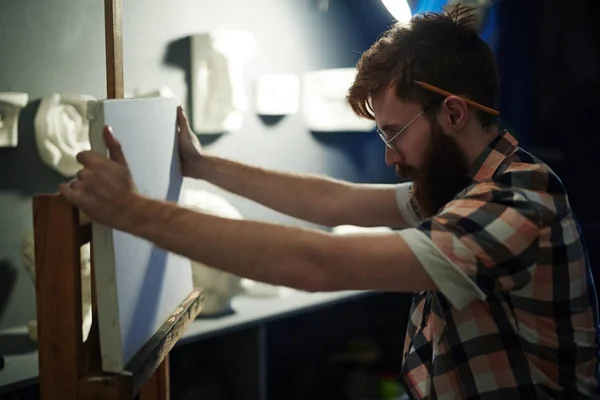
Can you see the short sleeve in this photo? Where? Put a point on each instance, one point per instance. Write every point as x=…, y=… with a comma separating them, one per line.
x=484, y=241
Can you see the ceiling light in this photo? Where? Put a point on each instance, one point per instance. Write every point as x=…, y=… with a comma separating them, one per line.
x=399, y=9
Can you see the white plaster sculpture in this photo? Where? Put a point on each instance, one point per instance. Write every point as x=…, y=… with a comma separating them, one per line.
x=324, y=104
x=217, y=66
x=218, y=287
x=262, y=289
x=11, y=104
x=277, y=94
x=28, y=252
x=163, y=91
x=62, y=131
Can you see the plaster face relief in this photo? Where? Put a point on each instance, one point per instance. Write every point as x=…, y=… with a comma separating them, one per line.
x=324, y=104
x=217, y=68
x=11, y=104
x=62, y=131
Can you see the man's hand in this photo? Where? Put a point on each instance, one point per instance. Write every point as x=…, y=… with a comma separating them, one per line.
x=103, y=189
x=190, y=150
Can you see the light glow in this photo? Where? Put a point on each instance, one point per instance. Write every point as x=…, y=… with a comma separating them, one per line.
x=399, y=9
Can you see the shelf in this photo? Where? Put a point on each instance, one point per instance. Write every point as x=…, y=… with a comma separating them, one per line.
x=22, y=370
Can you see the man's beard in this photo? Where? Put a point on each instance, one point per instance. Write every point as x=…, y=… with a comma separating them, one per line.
x=443, y=175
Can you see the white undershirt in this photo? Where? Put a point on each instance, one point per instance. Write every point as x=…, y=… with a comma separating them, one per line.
x=450, y=279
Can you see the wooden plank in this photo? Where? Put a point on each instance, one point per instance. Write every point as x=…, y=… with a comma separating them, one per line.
x=113, y=10
x=58, y=296
x=148, y=359
x=158, y=386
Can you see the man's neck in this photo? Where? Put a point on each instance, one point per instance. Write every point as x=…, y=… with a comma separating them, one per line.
x=478, y=141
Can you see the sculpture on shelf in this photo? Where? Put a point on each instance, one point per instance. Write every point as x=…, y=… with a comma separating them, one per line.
x=163, y=91
x=217, y=92
x=277, y=94
x=28, y=252
x=62, y=131
x=262, y=289
x=324, y=104
x=11, y=104
x=219, y=287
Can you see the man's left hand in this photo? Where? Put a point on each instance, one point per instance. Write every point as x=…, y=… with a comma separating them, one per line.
x=103, y=189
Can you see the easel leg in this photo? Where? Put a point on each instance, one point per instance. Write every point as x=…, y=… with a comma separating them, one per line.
x=58, y=297
x=157, y=387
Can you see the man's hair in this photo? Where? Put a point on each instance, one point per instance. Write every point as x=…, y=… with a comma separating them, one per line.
x=442, y=49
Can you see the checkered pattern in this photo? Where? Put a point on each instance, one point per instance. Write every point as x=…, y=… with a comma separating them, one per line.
x=534, y=336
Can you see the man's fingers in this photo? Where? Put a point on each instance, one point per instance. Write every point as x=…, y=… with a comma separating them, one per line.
x=114, y=147
x=67, y=192
x=82, y=174
x=182, y=120
x=86, y=157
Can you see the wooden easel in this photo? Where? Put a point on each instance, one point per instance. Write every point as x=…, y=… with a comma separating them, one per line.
x=70, y=369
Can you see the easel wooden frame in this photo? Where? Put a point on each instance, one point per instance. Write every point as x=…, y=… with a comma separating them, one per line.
x=70, y=369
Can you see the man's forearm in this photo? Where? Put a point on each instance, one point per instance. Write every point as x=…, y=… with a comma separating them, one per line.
x=300, y=258
x=309, y=197
x=265, y=252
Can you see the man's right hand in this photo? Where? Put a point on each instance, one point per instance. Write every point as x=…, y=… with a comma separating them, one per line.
x=190, y=150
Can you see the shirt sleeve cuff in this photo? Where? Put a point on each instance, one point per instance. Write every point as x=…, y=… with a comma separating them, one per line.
x=403, y=201
x=450, y=280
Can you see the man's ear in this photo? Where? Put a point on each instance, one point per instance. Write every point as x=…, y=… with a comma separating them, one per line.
x=455, y=113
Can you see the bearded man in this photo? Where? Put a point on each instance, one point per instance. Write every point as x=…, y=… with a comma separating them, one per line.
x=504, y=304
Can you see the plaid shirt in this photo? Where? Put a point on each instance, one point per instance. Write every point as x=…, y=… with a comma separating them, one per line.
x=516, y=311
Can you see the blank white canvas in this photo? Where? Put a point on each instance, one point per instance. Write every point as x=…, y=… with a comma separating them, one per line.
x=138, y=285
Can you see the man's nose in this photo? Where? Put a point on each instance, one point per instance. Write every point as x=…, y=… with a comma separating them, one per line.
x=392, y=157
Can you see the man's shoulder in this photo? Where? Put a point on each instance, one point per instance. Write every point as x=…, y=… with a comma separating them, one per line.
x=522, y=170
x=524, y=181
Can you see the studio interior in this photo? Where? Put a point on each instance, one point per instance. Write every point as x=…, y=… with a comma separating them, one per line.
x=263, y=82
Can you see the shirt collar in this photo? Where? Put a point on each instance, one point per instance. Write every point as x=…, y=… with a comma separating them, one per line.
x=492, y=156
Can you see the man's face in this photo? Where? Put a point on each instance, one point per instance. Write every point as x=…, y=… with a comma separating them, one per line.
x=425, y=155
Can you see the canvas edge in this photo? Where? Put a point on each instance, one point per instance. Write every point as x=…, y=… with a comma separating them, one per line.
x=103, y=254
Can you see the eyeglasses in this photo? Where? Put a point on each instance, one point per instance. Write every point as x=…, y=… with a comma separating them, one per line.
x=389, y=142
x=394, y=134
